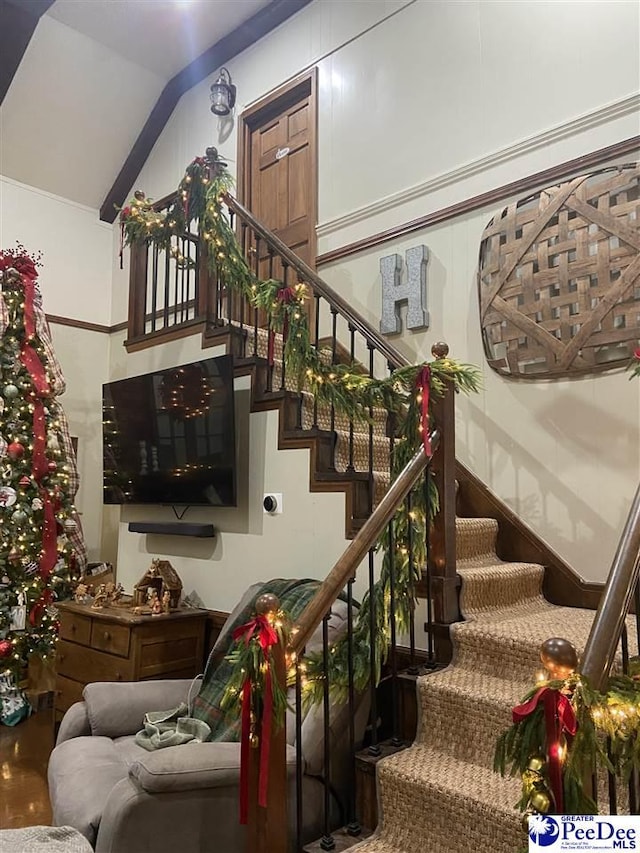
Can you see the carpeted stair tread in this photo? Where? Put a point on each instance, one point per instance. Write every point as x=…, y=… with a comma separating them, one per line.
x=475, y=537
x=432, y=801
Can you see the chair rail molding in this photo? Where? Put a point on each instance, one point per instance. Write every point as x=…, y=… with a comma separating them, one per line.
x=587, y=121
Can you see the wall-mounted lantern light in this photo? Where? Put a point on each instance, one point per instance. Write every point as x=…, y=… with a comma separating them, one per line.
x=223, y=94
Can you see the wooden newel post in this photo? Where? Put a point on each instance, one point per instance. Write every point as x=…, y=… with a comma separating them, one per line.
x=442, y=550
x=267, y=828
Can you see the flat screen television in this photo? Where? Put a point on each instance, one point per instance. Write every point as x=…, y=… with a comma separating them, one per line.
x=169, y=436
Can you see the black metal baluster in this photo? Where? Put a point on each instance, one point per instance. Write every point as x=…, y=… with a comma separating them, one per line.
x=624, y=640
x=352, y=351
x=393, y=660
x=299, y=758
x=315, y=342
x=353, y=825
x=334, y=352
x=427, y=568
x=196, y=282
x=154, y=285
x=411, y=591
x=374, y=748
x=175, y=283
x=285, y=283
x=327, y=842
x=182, y=276
x=167, y=279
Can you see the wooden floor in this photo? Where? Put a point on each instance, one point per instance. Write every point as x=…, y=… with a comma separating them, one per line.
x=24, y=754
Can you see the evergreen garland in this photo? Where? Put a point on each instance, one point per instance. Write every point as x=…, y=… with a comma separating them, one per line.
x=607, y=737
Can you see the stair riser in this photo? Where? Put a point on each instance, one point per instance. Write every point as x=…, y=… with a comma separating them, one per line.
x=420, y=817
x=499, y=587
x=475, y=537
x=470, y=727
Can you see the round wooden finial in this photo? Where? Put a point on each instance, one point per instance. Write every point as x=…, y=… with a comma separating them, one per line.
x=558, y=657
x=139, y=195
x=267, y=603
x=440, y=350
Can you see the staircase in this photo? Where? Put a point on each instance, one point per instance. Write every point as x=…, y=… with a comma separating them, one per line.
x=440, y=794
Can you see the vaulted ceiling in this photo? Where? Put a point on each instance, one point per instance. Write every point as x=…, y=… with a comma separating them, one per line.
x=88, y=85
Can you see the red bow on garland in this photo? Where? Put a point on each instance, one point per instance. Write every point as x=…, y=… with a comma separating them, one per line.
x=559, y=717
x=261, y=629
x=423, y=383
x=286, y=295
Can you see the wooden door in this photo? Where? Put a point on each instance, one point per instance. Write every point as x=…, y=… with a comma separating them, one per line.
x=278, y=169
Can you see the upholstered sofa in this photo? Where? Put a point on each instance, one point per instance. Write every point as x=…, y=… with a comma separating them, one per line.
x=125, y=799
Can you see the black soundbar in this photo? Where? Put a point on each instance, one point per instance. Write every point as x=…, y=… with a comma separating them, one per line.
x=172, y=528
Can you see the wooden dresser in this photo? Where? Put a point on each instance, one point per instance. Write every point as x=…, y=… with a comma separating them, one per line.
x=114, y=644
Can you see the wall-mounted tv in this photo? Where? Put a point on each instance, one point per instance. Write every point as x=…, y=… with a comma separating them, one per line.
x=169, y=436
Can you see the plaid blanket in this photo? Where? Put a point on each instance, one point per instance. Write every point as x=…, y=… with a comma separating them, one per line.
x=294, y=595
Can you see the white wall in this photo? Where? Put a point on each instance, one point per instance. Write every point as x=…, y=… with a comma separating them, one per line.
x=432, y=103
x=75, y=282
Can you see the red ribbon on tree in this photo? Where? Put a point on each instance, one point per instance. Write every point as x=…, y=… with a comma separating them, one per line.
x=34, y=367
x=261, y=629
x=49, y=553
x=423, y=383
x=559, y=717
x=286, y=295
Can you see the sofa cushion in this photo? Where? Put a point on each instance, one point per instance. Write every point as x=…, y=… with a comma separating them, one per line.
x=82, y=772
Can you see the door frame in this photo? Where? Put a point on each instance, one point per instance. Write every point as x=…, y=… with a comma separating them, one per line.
x=305, y=85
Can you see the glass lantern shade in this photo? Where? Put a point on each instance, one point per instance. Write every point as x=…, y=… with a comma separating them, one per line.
x=223, y=94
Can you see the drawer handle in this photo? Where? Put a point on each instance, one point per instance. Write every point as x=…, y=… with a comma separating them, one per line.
x=118, y=676
x=107, y=636
x=73, y=627
x=61, y=658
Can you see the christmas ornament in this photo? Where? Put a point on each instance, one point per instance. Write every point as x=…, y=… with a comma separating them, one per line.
x=540, y=801
x=52, y=442
x=30, y=567
x=10, y=392
x=7, y=496
x=70, y=525
x=536, y=763
x=19, y=516
x=5, y=648
x=14, y=555
x=558, y=657
x=15, y=450
x=36, y=504
x=52, y=466
x=24, y=481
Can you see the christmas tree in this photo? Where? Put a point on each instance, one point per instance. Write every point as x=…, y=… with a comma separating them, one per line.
x=42, y=551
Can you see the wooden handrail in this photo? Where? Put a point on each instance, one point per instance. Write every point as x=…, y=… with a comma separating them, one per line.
x=615, y=602
x=347, y=564
x=393, y=356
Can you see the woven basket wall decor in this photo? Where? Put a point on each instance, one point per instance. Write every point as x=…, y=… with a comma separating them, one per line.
x=559, y=278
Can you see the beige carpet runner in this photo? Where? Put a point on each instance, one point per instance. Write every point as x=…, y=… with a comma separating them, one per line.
x=440, y=795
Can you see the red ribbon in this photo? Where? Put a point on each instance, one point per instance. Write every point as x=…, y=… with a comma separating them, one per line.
x=35, y=614
x=261, y=629
x=559, y=717
x=423, y=382
x=286, y=295
x=49, y=553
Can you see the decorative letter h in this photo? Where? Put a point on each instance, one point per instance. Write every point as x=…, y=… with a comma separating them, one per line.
x=414, y=292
